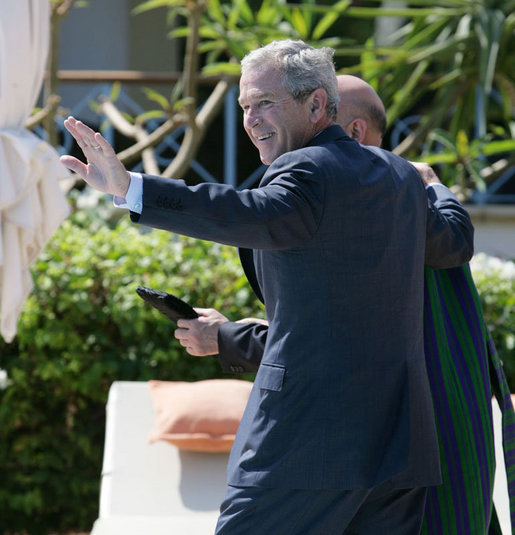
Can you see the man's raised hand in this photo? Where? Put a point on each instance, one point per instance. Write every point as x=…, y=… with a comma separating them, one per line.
x=103, y=170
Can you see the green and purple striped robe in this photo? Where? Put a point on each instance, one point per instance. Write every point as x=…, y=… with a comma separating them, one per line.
x=464, y=372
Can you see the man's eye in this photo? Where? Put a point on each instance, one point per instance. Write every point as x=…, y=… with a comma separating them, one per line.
x=264, y=102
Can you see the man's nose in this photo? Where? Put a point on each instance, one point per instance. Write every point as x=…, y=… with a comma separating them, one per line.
x=252, y=119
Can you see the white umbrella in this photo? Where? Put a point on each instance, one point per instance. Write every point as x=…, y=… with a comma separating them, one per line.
x=32, y=204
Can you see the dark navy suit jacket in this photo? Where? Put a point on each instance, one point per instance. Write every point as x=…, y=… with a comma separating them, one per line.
x=340, y=234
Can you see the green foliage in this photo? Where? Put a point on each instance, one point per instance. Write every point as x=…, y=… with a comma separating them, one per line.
x=230, y=29
x=81, y=329
x=451, y=63
x=495, y=281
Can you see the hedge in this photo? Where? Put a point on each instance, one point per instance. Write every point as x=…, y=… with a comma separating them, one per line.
x=82, y=328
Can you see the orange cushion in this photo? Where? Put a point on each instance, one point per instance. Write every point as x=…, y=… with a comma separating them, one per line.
x=201, y=415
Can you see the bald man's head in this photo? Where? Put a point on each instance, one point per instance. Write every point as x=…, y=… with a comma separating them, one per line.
x=361, y=112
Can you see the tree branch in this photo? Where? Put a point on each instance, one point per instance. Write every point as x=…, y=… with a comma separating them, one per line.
x=48, y=111
x=194, y=136
x=134, y=131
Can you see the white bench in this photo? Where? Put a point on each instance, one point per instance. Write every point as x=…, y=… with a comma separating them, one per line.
x=153, y=488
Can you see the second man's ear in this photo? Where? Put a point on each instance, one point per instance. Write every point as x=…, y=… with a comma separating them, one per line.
x=357, y=130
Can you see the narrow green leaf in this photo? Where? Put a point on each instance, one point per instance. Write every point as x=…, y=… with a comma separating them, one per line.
x=329, y=19
x=403, y=96
x=369, y=58
x=148, y=115
x=462, y=144
x=115, y=91
x=155, y=96
x=214, y=69
x=153, y=4
x=446, y=79
x=436, y=50
x=473, y=169
x=240, y=11
x=493, y=25
x=176, y=91
x=440, y=136
x=184, y=31
x=429, y=33
x=212, y=32
x=371, y=12
x=215, y=11
x=440, y=157
x=188, y=101
x=496, y=147
x=267, y=14
x=300, y=23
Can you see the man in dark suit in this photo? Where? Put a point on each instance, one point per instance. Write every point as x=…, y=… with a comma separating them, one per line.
x=240, y=345
x=338, y=435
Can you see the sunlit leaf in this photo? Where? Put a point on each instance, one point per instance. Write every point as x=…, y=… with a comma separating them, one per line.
x=462, y=144
x=402, y=97
x=155, y=96
x=329, y=19
x=300, y=23
x=215, y=10
x=473, y=168
x=115, y=91
x=267, y=14
x=371, y=12
x=151, y=114
x=497, y=147
x=440, y=157
x=214, y=69
x=182, y=103
x=443, y=138
x=153, y=4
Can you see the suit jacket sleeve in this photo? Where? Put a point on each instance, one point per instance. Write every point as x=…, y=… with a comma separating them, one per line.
x=281, y=214
x=241, y=346
x=450, y=233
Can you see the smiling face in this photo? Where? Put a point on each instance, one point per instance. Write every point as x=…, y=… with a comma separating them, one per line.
x=274, y=121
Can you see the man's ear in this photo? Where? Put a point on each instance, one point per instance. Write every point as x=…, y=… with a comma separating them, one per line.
x=317, y=102
x=357, y=130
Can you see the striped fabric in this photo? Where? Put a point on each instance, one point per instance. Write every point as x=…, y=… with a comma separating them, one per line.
x=461, y=361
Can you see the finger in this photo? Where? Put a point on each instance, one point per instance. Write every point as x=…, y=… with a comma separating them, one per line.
x=86, y=138
x=185, y=324
x=74, y=165
x=71, y=124
x=203, y=311
x=183, y=341
x=102, y=145
x=180, y=333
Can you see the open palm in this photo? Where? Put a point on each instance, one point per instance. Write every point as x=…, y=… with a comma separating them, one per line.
x=103, y=170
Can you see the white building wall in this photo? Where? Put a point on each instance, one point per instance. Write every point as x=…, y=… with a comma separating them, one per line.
x=494, y=229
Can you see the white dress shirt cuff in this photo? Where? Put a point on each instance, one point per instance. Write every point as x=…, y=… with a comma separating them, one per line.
x=134, y=198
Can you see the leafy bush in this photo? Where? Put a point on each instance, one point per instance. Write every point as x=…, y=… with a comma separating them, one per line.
x=495, y=281
x=83, y=328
